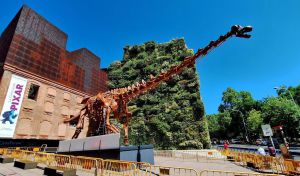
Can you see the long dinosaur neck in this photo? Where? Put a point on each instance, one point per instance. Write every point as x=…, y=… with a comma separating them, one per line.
x=137, y=89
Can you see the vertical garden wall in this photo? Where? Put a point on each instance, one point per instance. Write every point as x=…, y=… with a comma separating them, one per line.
x=171, y=116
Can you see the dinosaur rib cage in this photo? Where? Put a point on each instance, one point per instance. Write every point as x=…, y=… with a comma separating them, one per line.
x=97, y=116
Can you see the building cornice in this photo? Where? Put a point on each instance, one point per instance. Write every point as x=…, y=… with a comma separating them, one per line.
x=30, y=75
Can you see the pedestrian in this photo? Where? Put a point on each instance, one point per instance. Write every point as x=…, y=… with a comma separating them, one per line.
x=271, y=149
x=226, y=145
x=261, y=151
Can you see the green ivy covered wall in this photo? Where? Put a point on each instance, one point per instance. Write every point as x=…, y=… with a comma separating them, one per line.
x=172, y=115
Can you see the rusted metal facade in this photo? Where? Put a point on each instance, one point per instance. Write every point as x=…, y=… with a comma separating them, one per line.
x=33, y=48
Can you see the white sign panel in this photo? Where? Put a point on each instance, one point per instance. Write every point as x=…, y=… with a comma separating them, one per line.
x=267, y=130
x=12, y=105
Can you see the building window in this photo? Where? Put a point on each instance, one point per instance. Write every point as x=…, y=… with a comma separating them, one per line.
x=33, y=91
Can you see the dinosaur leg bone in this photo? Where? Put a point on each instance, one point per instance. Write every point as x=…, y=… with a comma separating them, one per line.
x=125, y=126
x=80, y=124
x=76, y=134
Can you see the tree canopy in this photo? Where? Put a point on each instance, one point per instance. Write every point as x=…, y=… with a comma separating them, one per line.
x=239, y=114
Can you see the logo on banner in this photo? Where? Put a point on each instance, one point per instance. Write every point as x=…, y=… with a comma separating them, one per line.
x=12, y=106
x=9, y=116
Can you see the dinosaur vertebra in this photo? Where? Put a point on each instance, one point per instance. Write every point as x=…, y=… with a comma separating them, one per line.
x=99, y=107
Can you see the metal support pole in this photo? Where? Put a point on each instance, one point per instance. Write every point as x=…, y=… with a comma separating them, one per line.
x=272, y=143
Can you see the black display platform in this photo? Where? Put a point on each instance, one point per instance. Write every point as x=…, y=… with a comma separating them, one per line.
x=106, y=147
x=142, y=153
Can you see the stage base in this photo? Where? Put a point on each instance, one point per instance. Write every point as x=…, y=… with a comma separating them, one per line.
x=142, y=153
x=106, y=147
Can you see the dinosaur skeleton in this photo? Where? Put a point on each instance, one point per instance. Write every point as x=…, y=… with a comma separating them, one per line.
x=99, y=107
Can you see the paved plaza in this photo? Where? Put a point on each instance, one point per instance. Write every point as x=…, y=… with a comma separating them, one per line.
x=202, y=164
x=9, y=170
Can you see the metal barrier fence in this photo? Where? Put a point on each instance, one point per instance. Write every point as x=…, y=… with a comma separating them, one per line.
x=196, y=155
x=262, y=163
x=100, y=167
x=259, y=162
x=174, y=171
x=85, y=164
x=115, y=167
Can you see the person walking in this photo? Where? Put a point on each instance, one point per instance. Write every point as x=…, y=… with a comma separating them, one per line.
x=261, y=151
x=226, y=145
x=271, y=149
x=226, y=148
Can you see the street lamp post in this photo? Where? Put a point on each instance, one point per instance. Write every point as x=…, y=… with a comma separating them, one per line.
x=244, y=123
x=284, y=88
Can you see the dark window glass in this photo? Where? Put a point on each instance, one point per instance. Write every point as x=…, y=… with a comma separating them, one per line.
x=33, y=92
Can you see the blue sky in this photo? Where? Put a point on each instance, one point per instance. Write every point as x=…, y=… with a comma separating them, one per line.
x=271, y=58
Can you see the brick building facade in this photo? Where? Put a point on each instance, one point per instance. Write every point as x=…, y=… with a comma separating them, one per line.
x=57, y=79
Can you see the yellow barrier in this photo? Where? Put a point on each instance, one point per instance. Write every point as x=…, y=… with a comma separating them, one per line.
x=16, y=154
x=291, y=167
x=174, y=171
x=44, y=158
x=86, y=164
x=101, y=167
x=60, y=161
x=142, y=168
x=197, y=155
x=27, y=155
x=259, y=162
x=115, y=167
x=8, y=152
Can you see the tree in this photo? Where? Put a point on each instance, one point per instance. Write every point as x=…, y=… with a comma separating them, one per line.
x=237, y=105
x=233, y=100
x=291, y=93
x=219, y=125
x=296, y=94
x=254, y=122
x=282, y=111
x=213, y=125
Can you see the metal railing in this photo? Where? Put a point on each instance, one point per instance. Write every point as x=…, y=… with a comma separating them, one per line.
x=101, y=167
x=275, y=165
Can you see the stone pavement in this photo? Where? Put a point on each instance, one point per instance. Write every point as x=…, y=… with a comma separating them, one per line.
x=9, y=170
x=202, y=164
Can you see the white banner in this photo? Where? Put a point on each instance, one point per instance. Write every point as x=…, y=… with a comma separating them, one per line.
x=12, y=106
